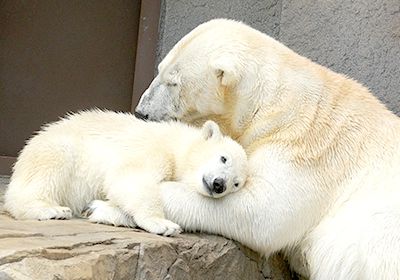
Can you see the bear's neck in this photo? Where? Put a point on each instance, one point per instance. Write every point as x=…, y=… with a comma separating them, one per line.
x=315, y=119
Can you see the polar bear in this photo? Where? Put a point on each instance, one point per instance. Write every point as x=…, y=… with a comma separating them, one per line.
x=324, y=153
x=103, y=155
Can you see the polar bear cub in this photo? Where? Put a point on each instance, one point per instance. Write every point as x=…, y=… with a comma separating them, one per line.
x=119, y=162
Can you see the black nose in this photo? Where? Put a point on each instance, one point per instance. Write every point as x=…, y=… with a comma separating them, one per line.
x=141, y=116
x=219, y=185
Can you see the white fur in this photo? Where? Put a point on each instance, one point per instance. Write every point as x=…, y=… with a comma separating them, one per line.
x=98, y=155
x=324, y=153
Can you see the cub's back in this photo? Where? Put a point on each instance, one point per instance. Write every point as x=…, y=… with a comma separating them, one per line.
x=106, y=135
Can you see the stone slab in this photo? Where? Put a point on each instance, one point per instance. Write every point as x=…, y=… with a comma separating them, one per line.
x=76, y=249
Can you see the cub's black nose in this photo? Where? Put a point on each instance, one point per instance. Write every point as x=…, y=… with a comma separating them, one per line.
x=219, y=185
x=141, y=116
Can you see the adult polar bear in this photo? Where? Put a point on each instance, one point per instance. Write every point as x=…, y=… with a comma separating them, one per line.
x=324, y=152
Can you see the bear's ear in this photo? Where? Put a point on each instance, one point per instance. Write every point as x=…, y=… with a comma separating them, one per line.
x=210, y=130
x=225, y=71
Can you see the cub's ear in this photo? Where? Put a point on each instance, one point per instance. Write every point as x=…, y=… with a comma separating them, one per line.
x=225, y=71
x=210, y=130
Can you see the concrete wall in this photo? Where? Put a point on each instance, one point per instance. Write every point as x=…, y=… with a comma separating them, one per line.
x=360, y=38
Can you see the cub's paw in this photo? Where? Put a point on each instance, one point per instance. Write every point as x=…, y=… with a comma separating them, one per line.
x=159, y=226
x=51, y=213
x=103, y=212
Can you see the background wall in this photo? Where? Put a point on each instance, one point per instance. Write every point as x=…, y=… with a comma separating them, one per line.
x=360, y=38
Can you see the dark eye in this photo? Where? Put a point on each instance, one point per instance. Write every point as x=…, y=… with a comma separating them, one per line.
x=171, y=84
x=223, y=159
x=236, y=184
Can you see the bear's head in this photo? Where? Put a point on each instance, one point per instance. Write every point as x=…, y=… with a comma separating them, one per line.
x=214, y=72
x=215, y=165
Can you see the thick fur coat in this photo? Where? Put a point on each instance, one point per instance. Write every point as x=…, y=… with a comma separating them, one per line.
x=324, y=152
x=116, y=163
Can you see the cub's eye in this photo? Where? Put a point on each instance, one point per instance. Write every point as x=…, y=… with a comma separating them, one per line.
x=223, y=159
x=236, y=184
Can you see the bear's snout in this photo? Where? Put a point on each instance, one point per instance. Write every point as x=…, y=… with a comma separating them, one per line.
x=219, y=185
x=216, y=186
x=141, y=116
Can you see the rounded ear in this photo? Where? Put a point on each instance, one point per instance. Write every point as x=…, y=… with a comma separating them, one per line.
x=210, y=130
x=225, y=71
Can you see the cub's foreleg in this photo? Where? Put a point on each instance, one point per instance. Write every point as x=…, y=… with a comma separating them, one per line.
x=136, y=191
x=105, y=212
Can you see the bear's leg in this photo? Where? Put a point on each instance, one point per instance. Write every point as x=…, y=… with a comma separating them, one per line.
x=49, y=212
x=28, y=201
x=39, y=210
x=137, y=193
x=104, y=212
x=359, y=241
x=157, y=225
x=40, y=184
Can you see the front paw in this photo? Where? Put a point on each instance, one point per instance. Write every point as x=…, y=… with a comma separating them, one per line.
x=159, y=226
x=52, y=213
x=102, y=212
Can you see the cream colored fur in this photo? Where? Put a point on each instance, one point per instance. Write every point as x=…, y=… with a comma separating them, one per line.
x=324, y=153
x=98, y=155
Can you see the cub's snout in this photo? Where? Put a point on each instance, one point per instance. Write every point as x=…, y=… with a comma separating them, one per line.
x=216, y=186
x=219, y=185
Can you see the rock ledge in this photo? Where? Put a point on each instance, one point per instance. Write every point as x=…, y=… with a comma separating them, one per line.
x=77, y=249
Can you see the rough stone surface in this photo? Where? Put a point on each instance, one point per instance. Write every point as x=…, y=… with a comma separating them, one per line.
x=359, y=38
x=180, y=17
x=77, y=249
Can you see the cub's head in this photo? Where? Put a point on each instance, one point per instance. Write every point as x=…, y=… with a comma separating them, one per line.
x=216, y=164
x=205, y=74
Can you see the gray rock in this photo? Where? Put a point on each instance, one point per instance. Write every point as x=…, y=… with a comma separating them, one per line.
x=359, y=38
x=77, y=249
x=180, y=17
